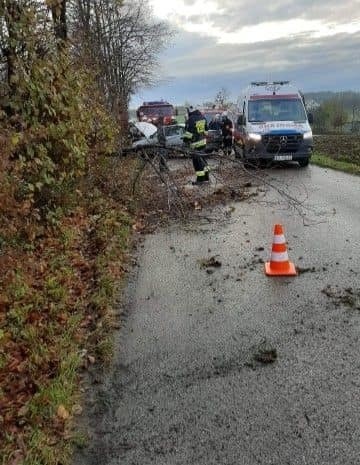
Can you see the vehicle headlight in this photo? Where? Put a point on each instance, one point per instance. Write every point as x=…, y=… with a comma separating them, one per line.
x=307, y=135
x=254, y=136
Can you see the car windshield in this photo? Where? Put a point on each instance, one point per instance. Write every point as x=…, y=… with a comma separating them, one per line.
x=173, y=130
x=276, y=110
x=157, y=111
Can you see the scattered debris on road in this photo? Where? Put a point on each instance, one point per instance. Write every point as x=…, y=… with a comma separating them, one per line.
x=252, y=264
x=268, y=356
x=302, y=270
x=265, y=353
x=211, y=262
x=348, y=297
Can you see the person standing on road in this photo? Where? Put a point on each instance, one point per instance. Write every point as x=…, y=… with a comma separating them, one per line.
x=195, y=134
x=216, y=124
x=227, y=132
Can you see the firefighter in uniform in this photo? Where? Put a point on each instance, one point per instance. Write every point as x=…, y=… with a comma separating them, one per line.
x=195, y=136
x=227, y=133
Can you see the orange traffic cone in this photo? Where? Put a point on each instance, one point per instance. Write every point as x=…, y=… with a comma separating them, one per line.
x=279, y=264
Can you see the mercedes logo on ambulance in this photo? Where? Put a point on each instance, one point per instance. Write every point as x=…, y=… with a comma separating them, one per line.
x=283, y=140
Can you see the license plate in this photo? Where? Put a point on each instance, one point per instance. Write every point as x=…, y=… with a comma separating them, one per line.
x=283, y=157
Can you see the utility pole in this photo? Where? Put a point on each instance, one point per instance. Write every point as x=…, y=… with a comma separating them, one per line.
x=353, y=119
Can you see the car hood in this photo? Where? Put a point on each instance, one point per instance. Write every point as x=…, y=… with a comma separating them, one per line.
x=147, y=129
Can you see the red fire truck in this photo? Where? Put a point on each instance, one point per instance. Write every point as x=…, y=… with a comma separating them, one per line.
x=158, y=113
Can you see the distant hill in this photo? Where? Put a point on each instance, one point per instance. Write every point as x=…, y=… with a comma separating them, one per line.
x=349, y=99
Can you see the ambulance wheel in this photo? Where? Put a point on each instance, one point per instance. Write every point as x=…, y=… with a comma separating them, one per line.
x=303, y=162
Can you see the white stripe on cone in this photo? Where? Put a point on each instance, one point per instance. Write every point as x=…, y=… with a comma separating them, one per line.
x=279, y=256
x=279, y=239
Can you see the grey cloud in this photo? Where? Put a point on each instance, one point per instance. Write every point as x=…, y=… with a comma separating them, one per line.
x=199, y=66
x=236, y=14
x=339, y=53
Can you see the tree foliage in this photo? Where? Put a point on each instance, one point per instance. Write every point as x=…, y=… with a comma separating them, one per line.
x=337, y=112
x=54, y=182
x=63, y=210
x=331, y=115
x=48, y=111
x=348, y=98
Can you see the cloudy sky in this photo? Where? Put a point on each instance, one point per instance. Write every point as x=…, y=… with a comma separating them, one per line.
x=315, y=43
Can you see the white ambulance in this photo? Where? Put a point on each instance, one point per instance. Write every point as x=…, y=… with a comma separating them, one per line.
x=273, y=125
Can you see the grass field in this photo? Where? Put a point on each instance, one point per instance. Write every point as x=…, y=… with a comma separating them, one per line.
x=339, y=152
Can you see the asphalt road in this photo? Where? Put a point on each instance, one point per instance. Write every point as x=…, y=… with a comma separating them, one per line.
x=186, y=387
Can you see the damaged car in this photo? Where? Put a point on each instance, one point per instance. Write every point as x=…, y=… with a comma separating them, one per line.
x=147, y=134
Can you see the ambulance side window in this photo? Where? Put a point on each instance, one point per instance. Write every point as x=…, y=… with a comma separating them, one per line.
x=241, y=121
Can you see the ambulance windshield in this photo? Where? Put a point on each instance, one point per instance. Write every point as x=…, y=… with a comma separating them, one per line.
x=278, y=109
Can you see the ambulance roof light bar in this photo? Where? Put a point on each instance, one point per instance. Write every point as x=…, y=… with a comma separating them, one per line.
x=274, y=83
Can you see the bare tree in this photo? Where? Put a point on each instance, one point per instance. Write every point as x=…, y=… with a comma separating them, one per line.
x=120, y=41
x=222, y=98
x=123, y=42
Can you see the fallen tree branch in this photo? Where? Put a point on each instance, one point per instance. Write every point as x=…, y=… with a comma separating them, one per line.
x=156, y=155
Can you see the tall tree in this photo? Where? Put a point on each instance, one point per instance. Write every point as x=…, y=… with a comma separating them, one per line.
x=59, y=15
x=123, y=42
